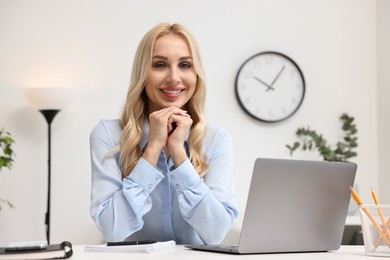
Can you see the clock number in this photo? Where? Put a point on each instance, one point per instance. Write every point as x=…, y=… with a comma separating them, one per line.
x=256, y=64
x=271, y=114
x=248, y=74
x=293, y=100
x=258, y=110
x=268, y=60
x=284, y=110
x=242, y=86
x=293, y=73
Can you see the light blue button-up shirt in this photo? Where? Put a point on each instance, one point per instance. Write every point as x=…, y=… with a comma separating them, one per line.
x=163, y=203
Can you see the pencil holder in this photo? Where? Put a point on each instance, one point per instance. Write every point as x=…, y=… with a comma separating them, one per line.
x=375, y=222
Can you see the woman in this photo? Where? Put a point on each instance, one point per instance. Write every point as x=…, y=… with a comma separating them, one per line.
x=159, y=172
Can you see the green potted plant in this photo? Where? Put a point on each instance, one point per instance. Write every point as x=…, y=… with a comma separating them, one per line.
x=343, y=150
x=6, y=157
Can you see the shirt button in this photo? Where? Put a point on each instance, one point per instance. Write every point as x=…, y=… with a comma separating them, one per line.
x=157, y=178
x=177, y=186
x=150, y=186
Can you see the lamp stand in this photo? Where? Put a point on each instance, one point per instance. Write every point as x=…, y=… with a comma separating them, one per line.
x=49, y=115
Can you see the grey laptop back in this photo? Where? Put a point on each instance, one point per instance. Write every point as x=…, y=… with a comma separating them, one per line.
x=296, y=206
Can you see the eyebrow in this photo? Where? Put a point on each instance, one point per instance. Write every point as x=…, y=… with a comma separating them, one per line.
x=166, y=58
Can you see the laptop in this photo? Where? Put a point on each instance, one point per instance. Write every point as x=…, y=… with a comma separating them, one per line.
x=293, y=206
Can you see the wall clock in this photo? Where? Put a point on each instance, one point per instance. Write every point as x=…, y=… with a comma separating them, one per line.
x=270, y=86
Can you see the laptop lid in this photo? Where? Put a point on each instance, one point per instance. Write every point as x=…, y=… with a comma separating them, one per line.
x=296, y=206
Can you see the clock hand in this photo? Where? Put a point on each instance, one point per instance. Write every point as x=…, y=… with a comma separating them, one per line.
x=265, y=84
x=277, y=76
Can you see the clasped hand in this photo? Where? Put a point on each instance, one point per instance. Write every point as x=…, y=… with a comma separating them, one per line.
x=169, y=128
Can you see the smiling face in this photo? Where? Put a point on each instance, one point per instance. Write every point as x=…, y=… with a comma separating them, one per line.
x=172, y=77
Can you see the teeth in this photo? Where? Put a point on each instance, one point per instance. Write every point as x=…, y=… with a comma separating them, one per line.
x=172, y=91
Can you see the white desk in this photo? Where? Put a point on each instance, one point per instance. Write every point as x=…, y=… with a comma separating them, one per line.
x=353, y=220
x=182, y=253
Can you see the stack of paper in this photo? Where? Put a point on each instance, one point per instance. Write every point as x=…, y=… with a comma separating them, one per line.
x=146, y=248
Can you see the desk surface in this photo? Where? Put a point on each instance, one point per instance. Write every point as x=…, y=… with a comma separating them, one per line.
x=180, y=252
x=353, y=220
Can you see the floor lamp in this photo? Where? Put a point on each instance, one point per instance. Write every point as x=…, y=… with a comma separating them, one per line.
x=49, y=101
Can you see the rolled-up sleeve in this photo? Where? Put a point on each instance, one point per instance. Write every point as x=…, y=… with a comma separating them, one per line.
x=117, y=205
x=209, y=204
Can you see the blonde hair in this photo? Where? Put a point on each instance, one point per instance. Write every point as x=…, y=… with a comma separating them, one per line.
x=135, y=111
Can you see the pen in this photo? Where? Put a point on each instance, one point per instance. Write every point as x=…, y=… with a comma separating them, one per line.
x=131, y=243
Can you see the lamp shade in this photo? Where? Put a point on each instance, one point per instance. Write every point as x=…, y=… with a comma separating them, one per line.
x=49, y=97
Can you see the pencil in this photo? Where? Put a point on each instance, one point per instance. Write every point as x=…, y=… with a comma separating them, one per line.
x=384, y=233
x=355, y=196
x=385, y=224
x=374, y=222
x=377, y=203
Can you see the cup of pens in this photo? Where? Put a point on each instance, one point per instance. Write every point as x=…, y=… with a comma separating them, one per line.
x=375, y=221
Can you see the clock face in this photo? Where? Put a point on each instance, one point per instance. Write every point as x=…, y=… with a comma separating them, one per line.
x=270, y=86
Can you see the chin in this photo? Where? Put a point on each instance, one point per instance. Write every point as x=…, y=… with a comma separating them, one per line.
x=178, y=105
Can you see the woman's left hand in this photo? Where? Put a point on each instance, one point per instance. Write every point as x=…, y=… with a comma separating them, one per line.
x=178, y=128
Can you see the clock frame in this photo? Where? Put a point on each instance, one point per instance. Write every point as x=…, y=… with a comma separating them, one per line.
x=270, y=86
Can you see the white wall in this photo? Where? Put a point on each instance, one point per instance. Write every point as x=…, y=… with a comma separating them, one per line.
x=383, y=97
x=90, y=44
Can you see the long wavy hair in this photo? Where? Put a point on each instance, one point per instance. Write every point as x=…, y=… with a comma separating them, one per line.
x=135, y=110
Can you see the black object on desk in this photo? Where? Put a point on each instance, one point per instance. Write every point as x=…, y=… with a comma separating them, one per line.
x=131, y=243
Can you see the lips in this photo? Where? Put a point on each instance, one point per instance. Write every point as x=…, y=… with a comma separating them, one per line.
x=172, y=92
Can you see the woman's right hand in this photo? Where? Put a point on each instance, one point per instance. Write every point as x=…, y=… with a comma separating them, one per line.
x=160, y=126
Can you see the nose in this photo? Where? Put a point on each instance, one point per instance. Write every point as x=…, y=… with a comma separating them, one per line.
x=173, y=76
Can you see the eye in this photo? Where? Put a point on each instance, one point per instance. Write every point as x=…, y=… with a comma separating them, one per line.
x=159, y=65
x=185, y=65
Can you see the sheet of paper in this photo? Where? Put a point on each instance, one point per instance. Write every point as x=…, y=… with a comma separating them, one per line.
x=147, y=248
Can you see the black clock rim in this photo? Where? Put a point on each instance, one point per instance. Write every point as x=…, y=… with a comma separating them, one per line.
x=243, y=106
